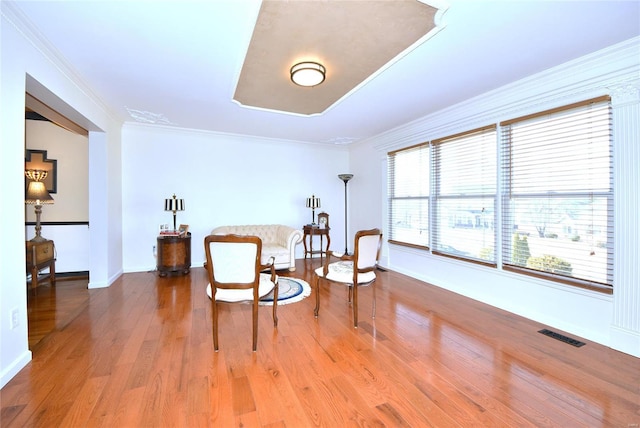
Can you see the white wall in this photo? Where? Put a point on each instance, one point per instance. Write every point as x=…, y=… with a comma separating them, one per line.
x=27, y=65
x=610, y=320
x=366, y=192
x=71, y=243
x=224, y=180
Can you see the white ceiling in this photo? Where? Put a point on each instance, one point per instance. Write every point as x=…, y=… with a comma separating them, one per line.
x=177, y=62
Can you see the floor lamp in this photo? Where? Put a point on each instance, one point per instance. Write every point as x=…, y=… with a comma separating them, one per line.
x=345, y=178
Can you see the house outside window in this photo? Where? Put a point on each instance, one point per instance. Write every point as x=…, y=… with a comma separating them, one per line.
x=554, y=172
x=558, y=193
x=465, y=186
x=409, y=191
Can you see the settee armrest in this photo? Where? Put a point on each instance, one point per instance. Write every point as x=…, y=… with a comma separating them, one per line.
x=288, y=237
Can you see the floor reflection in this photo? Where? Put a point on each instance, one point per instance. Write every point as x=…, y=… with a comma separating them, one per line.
x=51, y=308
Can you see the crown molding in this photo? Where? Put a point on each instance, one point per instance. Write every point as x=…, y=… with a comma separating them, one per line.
x=625, y=92
x=589, y=76
x=227, y=136
x=13, y=15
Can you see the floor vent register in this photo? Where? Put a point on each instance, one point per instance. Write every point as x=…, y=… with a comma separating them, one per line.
x=562, y=338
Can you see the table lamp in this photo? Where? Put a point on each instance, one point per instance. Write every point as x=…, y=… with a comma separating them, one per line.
x=313, y=203
x=37, y=195
x=174, y=205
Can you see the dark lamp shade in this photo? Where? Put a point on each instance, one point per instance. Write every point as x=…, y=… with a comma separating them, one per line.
x=174, y=204
x=313, y=202
x=37, y=194
x=345, y=177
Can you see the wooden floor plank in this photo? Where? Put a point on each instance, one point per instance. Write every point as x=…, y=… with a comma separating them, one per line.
x=140, y=353
x=83, y=406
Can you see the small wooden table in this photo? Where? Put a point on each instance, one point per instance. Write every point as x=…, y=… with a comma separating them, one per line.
x=41, y=255
x=174, y=254
x=311, y=231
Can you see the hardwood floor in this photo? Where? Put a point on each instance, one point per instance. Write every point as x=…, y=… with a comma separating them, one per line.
x=52, y=308
x=140, y=353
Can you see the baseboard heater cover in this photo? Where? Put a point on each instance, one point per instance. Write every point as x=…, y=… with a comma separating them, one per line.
x=562, y=338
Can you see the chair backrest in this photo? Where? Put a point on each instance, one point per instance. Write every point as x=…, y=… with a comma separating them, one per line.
x=233, y=261
x=367, y=249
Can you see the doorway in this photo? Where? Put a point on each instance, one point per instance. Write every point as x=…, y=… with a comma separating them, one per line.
x=58, y=146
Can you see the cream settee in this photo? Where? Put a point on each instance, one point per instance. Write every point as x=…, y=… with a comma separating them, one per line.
x=278, y=241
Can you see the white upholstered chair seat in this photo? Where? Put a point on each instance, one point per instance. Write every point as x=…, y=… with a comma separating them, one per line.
x=230, y=295
x=354, y=270
x=343, y=272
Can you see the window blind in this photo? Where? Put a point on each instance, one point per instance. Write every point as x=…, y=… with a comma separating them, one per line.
x=408, y=190
x=558, y=193
x=465, y=171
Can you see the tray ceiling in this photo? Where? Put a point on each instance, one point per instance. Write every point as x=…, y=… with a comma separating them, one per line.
x=354, y=40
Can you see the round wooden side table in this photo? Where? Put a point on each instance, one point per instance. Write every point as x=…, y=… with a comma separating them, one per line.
x=174, y=254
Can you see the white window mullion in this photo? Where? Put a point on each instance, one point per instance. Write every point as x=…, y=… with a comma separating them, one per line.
x=500, y=177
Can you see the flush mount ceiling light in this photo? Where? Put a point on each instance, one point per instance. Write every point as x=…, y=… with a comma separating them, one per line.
x=308, y=74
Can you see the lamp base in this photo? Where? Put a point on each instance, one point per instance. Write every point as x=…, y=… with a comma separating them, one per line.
x=38, y=237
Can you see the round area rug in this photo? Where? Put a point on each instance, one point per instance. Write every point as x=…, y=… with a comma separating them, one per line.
x=290, y=290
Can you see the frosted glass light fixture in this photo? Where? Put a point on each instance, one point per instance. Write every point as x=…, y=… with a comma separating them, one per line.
x=308, y=74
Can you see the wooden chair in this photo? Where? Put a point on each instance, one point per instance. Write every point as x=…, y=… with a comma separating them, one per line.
x=365, y=257
x=233, y=268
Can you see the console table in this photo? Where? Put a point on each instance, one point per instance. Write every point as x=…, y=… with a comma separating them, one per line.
x=41, y=255
x=311, y=231
x=174, y=254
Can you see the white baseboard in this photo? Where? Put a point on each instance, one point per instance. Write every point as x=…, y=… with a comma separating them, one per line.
x=13, y=368
x=626, y=341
